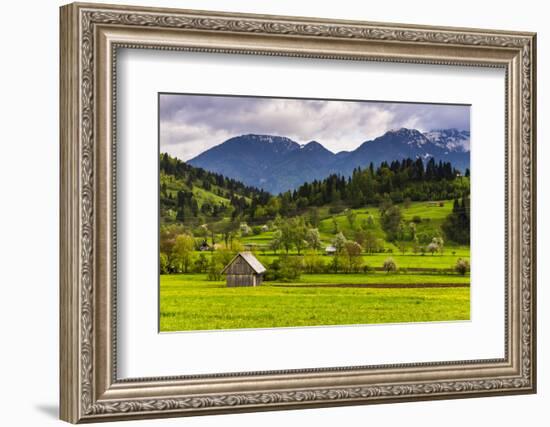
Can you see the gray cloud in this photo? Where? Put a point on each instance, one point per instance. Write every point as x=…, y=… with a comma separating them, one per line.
x=191, y=124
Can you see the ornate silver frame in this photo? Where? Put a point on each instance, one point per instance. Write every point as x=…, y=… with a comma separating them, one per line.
x=90, y=35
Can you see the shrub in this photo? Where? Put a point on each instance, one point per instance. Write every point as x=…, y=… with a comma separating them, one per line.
x=440, y=243
x=389, y=265
x=291, y=267
x=462, y=266
x=417, y=219
x=201, y=264
x=256, y=230
x=285, y=268
x=313, y=262
x=367, y=268
x=432, y=248
x=272, y=270
x=214, y=270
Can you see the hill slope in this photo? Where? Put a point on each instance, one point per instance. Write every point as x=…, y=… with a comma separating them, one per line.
x=187, y=192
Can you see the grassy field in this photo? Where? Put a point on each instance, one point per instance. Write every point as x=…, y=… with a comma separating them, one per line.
x=376, y=278
x=190, y=302
x=446, y=261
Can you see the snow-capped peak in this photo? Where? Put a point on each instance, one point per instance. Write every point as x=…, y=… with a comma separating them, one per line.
x=412, y=136
x=453, y=140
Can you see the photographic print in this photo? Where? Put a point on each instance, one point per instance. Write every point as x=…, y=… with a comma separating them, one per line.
x=287, y=212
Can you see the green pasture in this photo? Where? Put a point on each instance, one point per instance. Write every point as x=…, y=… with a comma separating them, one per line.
x=190, y=302
x=431, y=216
x=445, y=261
x=203, y=196
x=377, y=278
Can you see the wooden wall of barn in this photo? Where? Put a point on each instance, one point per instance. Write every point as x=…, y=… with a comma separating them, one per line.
x=241, y=280
x=239, y=273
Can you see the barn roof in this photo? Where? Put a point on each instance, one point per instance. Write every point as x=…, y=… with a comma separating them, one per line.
x=250, y=259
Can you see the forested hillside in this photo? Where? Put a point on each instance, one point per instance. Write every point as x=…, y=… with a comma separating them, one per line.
x=193, y=196
x=190, y=195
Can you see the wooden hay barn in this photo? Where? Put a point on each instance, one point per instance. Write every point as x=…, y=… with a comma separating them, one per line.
x=244, y=270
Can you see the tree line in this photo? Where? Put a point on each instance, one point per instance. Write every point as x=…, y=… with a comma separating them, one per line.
x=191, y=175
x=396, y=181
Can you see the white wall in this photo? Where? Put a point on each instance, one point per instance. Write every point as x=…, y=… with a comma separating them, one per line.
x=29, y=170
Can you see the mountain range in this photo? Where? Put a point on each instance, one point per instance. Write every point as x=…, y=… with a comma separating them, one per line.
x=277, y=163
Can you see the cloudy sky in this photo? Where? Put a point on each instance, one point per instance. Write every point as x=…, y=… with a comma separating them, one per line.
x=191, y=124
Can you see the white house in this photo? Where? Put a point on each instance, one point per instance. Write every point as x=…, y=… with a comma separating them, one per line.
x=330, y=250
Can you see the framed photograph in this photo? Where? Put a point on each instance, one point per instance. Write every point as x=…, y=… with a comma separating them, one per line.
x=265, y=212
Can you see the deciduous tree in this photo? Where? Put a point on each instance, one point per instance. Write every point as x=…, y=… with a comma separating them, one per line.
x=352, y=251
x=182, y=254
x=389, y=265
x=462, y=266
x=338, y=242
x=351, y=217
x=390, y=219
x=313, y=238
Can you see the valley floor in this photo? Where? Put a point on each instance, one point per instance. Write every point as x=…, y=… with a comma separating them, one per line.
x=190, y=302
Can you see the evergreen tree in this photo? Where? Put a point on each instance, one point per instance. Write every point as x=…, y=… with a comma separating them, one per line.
x=457, y=224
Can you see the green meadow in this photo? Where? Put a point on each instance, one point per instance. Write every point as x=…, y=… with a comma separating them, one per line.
x=190, y=302
x=425, y=287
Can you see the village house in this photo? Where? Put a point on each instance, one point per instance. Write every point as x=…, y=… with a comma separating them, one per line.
x=244, y=270
x=330, y=250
